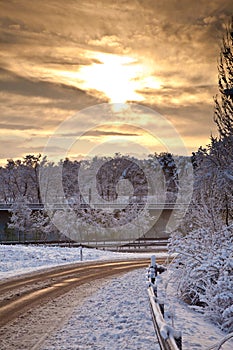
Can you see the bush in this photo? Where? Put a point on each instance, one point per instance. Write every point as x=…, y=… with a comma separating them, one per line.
x=204, y=266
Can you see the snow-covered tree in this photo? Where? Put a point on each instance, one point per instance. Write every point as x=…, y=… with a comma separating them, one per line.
x=70, y=180
x=204, y=241
x=20, y=219
x=224, y=103
x=42, y=227
x=19, y=178
x=31, y=170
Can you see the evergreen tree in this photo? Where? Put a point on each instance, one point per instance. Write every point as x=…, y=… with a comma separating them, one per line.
x=224, y=104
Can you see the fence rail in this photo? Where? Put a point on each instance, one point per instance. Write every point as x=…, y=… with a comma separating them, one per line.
x=62, y=206
x=141, y=246
x=168, y=338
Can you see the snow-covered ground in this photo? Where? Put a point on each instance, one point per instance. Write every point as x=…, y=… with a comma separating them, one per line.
x=18, y=259
x=117, y=315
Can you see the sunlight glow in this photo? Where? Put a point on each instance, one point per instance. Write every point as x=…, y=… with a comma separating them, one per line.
x=118, y=77
x=115, y=76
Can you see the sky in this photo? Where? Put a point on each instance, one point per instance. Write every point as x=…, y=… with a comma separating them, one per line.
x=58, y=58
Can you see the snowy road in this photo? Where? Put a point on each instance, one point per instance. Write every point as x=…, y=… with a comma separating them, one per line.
x=20, y=295
x=50, y=295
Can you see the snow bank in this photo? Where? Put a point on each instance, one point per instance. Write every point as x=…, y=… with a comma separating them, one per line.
x=18, y=259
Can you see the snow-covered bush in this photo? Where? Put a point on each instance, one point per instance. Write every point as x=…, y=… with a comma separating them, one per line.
x=219, y=296
x=204, y=268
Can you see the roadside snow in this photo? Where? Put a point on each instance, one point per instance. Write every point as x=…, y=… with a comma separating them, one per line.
x=117, y=317
x=197, y=332
x=18, y=259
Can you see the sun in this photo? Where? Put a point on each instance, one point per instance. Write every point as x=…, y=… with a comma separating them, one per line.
x=120, y=78
x=114, y=75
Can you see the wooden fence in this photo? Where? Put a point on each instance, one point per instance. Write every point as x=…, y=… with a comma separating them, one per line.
x=168, y=338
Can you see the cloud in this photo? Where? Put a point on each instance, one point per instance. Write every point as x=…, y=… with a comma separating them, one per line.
x=16, y=126
x=99, y=133
x=43, y=48
x=57, y=93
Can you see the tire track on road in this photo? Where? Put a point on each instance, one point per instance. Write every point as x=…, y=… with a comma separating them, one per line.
x=25, y=293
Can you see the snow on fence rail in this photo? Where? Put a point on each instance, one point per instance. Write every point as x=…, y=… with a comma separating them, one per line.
x=168, y=338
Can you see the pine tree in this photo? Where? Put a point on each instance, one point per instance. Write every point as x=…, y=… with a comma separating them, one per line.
x=224, y=104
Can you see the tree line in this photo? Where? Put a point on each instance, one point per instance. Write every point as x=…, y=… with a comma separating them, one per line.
x=120, y=178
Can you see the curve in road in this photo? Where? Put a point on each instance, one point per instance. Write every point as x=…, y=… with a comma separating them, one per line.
x=20, y=294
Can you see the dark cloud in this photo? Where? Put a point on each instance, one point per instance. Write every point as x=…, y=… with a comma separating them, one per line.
x=97, y=133
x=17, y=126
x=61, y=94
x=171, y=91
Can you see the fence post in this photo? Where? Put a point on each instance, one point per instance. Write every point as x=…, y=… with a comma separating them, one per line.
x=153, y=269
x=81, y=253
x=178, y=340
